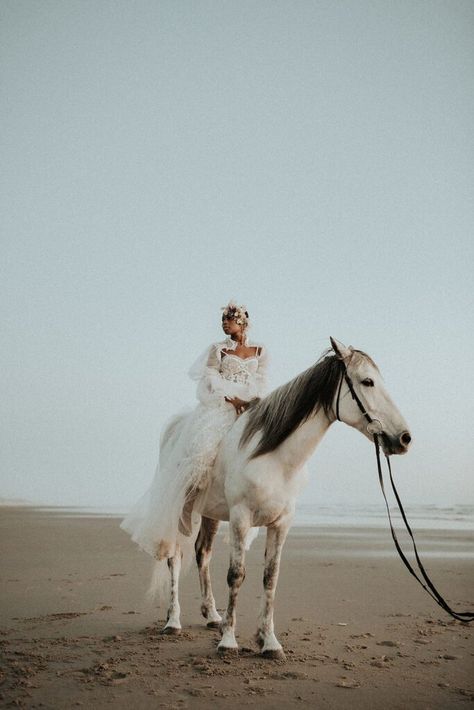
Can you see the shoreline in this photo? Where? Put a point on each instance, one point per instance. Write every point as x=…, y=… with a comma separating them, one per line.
x=422, y=518
x=373, y=539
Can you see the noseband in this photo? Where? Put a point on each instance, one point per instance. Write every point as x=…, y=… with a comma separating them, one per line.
x=374, y=426
x=375, y=429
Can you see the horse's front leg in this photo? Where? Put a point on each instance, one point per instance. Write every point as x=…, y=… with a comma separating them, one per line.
x=203, y=547
x=239, y=526
x=266, y=639
x=173, y=623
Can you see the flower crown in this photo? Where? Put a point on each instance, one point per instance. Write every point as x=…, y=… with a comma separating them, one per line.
x=235, y=312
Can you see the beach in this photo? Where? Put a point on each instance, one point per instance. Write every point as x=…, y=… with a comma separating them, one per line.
x=358, y=631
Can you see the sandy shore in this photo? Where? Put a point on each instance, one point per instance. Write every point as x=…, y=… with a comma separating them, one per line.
x=357, y=629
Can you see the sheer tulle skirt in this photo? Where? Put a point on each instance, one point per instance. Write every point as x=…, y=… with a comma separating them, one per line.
x=188, y=448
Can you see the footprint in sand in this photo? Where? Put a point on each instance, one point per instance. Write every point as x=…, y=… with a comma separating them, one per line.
x=348, y=683
x=59, y=616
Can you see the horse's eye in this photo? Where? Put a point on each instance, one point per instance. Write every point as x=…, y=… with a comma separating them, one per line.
x=368, y=382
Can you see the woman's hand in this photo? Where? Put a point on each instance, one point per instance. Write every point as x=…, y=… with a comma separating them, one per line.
x=239, y=404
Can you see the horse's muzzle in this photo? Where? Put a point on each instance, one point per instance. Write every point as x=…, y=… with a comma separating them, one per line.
x=396, y=444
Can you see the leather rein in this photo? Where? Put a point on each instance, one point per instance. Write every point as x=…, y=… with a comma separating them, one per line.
x=375, y=428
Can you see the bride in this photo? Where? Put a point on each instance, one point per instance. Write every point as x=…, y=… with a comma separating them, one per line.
x=230, y=374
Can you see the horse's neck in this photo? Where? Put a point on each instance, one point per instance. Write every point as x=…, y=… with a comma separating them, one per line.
x=298, y=447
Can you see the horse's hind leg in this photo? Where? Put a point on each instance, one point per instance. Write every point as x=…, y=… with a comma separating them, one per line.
x=173, y=623
x=266, y=639
x=203, y=547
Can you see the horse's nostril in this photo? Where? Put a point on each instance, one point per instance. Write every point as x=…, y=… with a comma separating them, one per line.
x=405, y=438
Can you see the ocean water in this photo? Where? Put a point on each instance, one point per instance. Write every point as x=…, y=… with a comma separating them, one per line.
x=364, y=531
x=361, y=531
x=421, y=517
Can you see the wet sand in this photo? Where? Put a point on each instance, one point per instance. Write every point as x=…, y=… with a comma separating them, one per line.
x=358, y=632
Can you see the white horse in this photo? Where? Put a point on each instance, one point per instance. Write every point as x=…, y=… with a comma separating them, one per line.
x=259, y=470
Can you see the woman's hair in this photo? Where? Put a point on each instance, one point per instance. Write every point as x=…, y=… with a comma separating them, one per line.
x=235, y=312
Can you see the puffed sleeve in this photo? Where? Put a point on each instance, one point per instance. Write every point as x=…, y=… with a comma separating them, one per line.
x=260, y=386
x=206, y=371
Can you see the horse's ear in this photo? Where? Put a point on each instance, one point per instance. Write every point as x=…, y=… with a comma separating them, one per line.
x=341, y=351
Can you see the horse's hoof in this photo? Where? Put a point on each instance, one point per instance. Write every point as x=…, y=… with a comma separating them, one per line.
x=276, y=654
x=170, y=631
x=223, y=652
x=213, y=625
x=259, y=640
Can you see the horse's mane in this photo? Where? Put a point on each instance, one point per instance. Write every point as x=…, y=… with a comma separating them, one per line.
x=283, y=410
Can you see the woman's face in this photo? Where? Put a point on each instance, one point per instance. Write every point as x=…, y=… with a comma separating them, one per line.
x=230, y=327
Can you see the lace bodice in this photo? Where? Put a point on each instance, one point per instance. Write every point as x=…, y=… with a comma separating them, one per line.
x=221, y=374
x=237, y=369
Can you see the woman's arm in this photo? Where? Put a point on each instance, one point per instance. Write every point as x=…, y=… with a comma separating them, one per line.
x=210, y=386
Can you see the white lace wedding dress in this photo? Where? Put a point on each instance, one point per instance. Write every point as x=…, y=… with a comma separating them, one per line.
x=189, y=443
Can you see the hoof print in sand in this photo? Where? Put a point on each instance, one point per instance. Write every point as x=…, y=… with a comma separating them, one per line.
x=348, y=683
x=224, y=652
x=274, y=655
x=170, y=631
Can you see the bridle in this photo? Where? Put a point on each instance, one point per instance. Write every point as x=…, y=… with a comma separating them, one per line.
x=374, y=426
x=375, y=429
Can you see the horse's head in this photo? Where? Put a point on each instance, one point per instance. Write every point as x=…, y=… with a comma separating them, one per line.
x=375, y=400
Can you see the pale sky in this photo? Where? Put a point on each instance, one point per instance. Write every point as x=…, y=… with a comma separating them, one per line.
x=313, y=160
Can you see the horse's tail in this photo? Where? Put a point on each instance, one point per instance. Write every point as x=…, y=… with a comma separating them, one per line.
x=160, y=582
x=160, y=578
x=171, y=523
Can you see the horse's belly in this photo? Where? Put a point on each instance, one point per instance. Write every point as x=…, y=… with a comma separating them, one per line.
x=214, y=507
